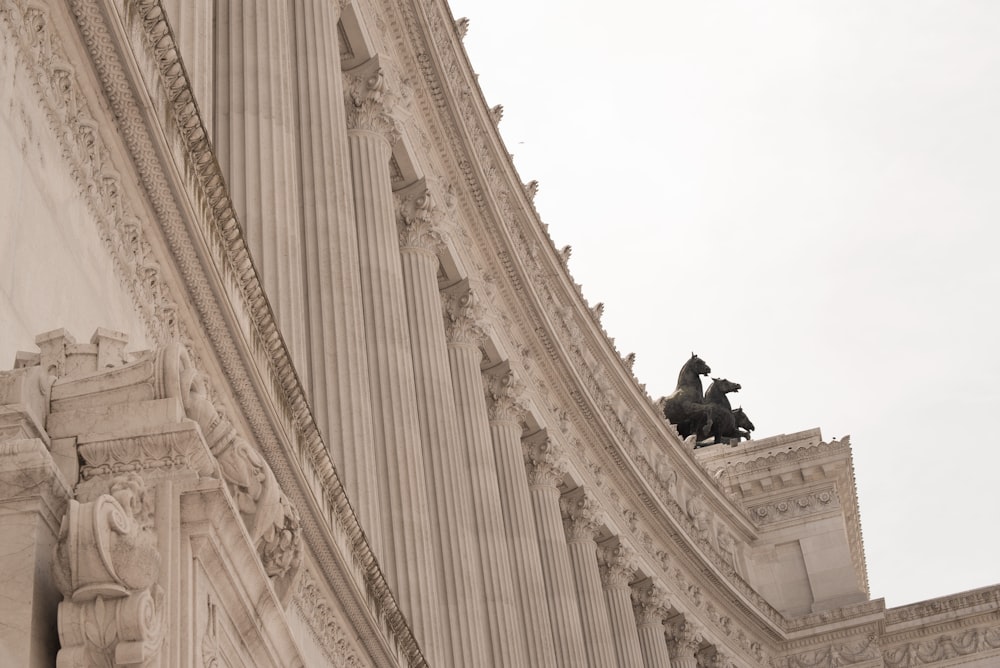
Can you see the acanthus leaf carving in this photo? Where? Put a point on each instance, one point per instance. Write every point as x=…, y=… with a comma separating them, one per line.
x=422, y=217
x=582, y=515
x=463, y=313
x=503, y=394
x=619, y=565
x=543, y=460
x=370, y=100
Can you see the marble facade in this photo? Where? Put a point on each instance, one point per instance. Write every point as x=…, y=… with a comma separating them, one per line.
x=343, y=403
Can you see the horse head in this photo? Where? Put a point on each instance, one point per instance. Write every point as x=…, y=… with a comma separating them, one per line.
x=697, y=365
x=742, y=421
x=723, y=386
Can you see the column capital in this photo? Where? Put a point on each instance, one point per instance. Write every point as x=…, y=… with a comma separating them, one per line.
x=422, y=216
x=542, y=460
x=463, y=314
x=582, y=515
x=371, y=99
x=503, y=394
x=684, y=638
x=650, y=602
x=619, y=565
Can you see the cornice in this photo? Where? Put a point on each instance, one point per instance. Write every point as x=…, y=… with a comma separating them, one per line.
x=158, y=128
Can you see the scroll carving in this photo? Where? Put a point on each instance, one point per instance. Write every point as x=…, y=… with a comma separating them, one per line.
x=463, y=314
x=421, y=218
x=106, y=565
x=650, y=603
x=503, y=391
x=370, y=100
x=619, y=566
x=542, y=460
x=582, y=516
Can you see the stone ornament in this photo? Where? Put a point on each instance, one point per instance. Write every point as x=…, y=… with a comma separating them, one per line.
x=106, y=564
x=582, y=516
x=371, y=100
x=543, y=461
x=270, y=518
x=619, y=565
x=650, y=603
x=463, y=314
x=422, y=217
x=503, y=394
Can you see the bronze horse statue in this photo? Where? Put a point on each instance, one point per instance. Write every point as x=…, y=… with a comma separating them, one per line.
x=743, y=423
x=724, y=425
x=707, y=415
x=686, y=408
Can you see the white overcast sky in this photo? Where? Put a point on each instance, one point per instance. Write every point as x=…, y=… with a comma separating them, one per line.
x=806, y=194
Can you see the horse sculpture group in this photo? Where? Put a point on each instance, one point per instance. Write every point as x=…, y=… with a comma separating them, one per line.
x=707, y=415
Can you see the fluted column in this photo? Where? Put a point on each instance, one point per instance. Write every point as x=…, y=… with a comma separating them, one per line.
x=192, y=26
x=651, y=606
x=446, y=461
x=255, y=139
x=684, y=639
x=544, y=469
x=407, y=539
x=581, y=524
x=616, y=573
x=463, y=314
x=339, y=388
x=505, y=411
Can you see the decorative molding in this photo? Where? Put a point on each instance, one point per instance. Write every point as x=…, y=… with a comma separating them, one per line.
x=943, y=647
x=835, y=655
x=619, y=565
x=793, y=507
x=323, y=623
x=650, y=602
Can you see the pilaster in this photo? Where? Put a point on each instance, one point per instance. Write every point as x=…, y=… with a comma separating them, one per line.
x=407, y=536
x=542, y=462
x=464, y=329
x=505, y=412
x=445, y=459
x=339, y=387
x=582, y=522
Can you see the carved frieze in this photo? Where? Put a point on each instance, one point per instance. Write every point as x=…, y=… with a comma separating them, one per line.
x=324, y=623
x=834, y=655
x=942, y=647
x=816, y=501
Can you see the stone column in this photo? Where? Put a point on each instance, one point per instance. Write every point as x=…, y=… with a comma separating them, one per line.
x=582, y=524
x=339, y=389
x=463, y=314
x=446, y=461
x=616, y=573
x=684, y=640
x=651, y=606
x=254, y=134
x=544, y=469
x=505, y=413
x=407, y=541
x=192, y=25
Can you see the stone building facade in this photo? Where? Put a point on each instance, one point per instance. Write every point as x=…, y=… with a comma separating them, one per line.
x=343, y=403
